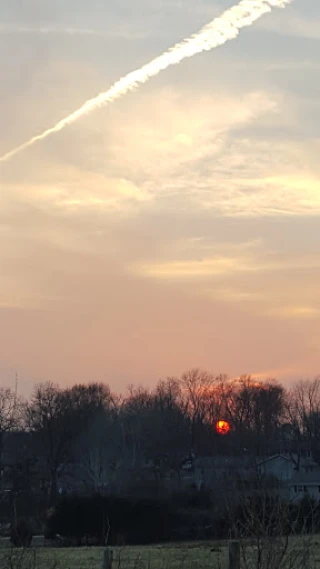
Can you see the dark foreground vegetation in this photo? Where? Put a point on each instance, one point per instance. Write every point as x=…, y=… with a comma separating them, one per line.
x=117, y=521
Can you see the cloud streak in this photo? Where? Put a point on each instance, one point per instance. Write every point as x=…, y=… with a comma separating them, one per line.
x=204, y=267
x=118, y=33
x=214, y=34
x=48, y=30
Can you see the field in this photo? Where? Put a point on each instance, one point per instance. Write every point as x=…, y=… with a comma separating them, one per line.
x=181, y=556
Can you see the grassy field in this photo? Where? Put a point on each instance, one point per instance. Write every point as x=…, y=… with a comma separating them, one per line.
x=181, y=556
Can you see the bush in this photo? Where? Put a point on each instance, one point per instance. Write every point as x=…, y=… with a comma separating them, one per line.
x=305, y=515
x=21, y=534
x=194, y=499
x=132, y=521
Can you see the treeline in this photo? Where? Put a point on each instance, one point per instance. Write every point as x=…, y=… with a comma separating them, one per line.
x=86, y=439
x=108, y=437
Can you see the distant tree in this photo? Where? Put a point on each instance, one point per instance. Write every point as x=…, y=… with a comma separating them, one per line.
x=88, y=400
x=197, y=387
x=257, y=410
x=59, y=417
x=103, y=456
x=169, y=427
x=218, y=399
x=303, y=414
x=49, y=416
x=9, y=416
x=156, y=428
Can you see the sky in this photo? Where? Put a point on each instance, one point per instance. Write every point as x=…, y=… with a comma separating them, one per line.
x=176, y=228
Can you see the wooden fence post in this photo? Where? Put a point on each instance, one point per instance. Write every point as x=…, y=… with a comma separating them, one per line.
x=234, y=555
x=107, y=558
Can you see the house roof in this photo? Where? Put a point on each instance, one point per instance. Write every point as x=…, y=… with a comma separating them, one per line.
x=274, y=457
x=305, y=462
x=222, y=462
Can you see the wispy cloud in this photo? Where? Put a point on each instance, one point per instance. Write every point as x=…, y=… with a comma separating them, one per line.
x=48, y=30
x=199, y=259
x=256, y=197
x=120, y=32
x=216, y=33
x=220, y=265
x=295, y=311
x=78, y=190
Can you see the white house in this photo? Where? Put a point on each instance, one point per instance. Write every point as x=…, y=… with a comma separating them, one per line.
x=284, y=466
x=297, y=475
x=279, y=466
x=305, y=484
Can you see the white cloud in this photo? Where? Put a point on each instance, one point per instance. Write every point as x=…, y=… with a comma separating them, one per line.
x=227, y=265
x=76, y=190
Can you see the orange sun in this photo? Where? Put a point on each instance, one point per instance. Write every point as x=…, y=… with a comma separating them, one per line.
x=222, y=427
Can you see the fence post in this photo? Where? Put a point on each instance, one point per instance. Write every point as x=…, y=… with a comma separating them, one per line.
x=234, y=555
x=107, y=558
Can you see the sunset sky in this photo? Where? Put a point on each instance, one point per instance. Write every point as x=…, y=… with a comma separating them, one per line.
x=176, y=228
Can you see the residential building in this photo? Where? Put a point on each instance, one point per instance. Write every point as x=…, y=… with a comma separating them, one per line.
x=305, y=483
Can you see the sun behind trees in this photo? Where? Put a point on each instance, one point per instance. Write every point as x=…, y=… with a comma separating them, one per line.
x=163, y=425
x=151, y=442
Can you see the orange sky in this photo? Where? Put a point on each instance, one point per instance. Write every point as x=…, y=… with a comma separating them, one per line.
x=178, y=228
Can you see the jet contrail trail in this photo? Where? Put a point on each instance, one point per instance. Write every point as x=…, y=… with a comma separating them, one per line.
x=214, y=34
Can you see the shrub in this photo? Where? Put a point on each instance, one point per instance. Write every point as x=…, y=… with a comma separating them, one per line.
x=136, y=521
x=21, y=534
x=194, y=499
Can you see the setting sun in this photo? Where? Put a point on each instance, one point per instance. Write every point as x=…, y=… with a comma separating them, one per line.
x=222, y=427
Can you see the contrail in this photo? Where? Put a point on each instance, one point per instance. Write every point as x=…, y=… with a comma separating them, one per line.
x=214, y=34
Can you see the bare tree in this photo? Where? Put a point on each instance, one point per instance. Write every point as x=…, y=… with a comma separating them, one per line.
x=169, y=426
x=49, y=417
x=267, y=533
x=256, y=410
x=303, y=415
x=134, y=410
x=89, y=399
x=219, y=400
x=60, y=416
x=197, y=387
x=103, y=456
x=272, y=532
x=156, y=428
x=9, y=416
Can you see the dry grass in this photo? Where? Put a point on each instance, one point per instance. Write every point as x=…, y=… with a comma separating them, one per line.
x=180, y=556
x=184, y=556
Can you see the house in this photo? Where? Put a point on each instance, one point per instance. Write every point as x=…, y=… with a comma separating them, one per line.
x=247, y=474
x=280, y=466
x=293, y=475
x=284, y=466
x=305, y=483
x=216, y=471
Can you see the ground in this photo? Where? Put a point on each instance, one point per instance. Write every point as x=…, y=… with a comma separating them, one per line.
x=208, y=555
x=182, y=556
